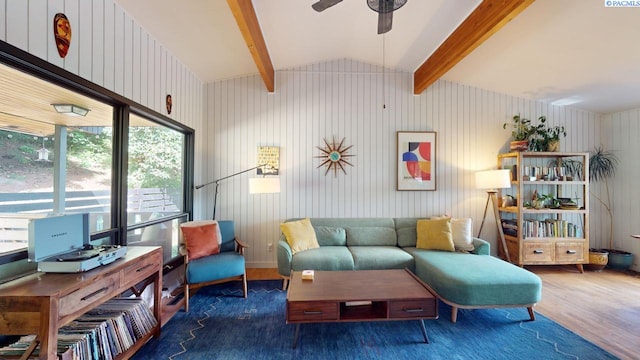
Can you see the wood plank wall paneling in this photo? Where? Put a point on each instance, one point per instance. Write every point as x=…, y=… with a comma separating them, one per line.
x=341, y=98
x=110, y=49
x=345, y=98
x=621, y=132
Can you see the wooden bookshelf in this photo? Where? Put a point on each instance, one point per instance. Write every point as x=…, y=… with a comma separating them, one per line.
x=539, y=239
x=43, y=302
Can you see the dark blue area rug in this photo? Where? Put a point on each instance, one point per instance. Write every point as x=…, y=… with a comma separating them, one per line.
x=223, y=325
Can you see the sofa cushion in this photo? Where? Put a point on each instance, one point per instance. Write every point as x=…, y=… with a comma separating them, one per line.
x=201, y=238
x=461, y=234
x=323, y=258
x=300, y=235
x=434, y=234
x=380, y=257
x=476, y=280
x=406, y=231
x=407, y=237
x=330, y=236
x=371, y=236
x=353, y=222
x=217, y=267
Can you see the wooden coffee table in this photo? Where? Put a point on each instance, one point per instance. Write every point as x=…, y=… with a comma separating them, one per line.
x=365, y=295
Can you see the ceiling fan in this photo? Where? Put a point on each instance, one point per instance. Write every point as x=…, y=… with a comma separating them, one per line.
x=384, y=8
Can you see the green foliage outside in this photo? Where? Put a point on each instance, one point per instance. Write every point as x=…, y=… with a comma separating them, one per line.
x=88, y=150
x=155, y=158
x=155, y=154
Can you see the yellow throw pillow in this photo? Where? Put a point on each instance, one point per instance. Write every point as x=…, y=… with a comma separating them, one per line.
x=300, y=235
x=434, y=234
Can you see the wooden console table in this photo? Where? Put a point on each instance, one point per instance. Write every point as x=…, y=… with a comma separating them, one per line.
x=43, y=302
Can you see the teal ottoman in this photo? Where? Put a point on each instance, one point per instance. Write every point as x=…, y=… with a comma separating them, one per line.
x=470, y=281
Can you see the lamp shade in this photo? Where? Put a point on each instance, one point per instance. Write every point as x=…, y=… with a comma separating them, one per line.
x=493, y=179
x=264, y=185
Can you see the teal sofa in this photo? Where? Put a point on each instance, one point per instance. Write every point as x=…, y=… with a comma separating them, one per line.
x=461, y=279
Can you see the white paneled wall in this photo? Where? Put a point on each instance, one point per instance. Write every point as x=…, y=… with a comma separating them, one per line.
x=110, y=49
x=621, y=132
x=365, y=105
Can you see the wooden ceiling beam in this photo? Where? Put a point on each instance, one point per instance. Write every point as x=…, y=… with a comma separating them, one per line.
x=489, y=17
x=247, y=21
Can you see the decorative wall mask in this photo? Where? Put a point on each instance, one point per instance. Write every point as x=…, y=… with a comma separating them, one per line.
x=169, y=103
x=62, y=33
x=334, y=156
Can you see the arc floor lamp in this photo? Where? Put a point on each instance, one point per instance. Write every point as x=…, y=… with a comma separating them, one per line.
x=261, y=185
x=492, y=180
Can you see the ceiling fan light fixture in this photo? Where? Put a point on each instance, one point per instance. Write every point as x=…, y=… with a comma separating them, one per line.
x=385, y=6
x=70, y=109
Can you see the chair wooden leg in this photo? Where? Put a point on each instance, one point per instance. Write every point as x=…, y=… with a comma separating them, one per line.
x=532, y=315
x=454, y=314
x=244, y=284
x=186, y=297
x=285, y=282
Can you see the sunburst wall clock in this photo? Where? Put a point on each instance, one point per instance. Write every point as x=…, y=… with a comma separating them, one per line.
x=335, y=156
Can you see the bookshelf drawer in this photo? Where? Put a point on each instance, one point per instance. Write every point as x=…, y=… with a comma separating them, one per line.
x=538, y=252
x=412, y=309
x=312, y=311
x=87, y=296
x=570, y=252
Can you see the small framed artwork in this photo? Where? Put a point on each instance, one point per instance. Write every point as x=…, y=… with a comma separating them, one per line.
x=270, y=156
x=416, y=160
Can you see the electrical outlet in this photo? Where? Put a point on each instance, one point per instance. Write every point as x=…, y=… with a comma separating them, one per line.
x=270, y=247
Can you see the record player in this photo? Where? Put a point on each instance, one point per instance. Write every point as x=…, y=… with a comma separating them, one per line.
x=61, y=244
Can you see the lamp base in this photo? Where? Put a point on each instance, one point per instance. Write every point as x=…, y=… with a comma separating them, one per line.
x=492, y=196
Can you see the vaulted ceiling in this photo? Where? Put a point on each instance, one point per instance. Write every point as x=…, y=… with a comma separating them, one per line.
x=570, y=52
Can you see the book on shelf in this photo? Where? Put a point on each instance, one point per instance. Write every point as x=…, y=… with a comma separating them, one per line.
x=510, y=227
x=102, y=333
x=542, y=228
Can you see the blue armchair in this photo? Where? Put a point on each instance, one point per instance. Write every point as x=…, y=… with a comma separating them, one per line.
x=225, y=266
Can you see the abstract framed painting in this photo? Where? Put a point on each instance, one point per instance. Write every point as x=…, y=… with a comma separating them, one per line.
x=416, y=160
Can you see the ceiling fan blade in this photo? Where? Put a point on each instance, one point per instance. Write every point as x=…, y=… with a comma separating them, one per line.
x=324, y=4
x=384, y=22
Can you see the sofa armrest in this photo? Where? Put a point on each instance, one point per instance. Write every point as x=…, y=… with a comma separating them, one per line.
x=481, y=247
x=284, y=258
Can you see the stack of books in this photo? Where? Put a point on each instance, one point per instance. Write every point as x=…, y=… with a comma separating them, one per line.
x=510, y=227
x=102, y=333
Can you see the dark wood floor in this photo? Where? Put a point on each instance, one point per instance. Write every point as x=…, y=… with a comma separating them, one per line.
x=603, y=307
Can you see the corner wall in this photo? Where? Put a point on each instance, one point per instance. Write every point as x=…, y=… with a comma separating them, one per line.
x=620, y=132
x=345, y=98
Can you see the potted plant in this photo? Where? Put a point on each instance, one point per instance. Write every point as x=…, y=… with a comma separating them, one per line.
x=521, y=131
x=546, y=138
x=602, y=167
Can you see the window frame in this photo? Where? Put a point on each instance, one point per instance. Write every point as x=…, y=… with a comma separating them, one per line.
x=122, y=107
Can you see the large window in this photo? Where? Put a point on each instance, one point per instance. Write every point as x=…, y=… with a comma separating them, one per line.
x=155, y=184
x=126, y=166
x=51, y=162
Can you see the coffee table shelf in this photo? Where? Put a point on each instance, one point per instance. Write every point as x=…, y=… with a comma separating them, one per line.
x=375, y=310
